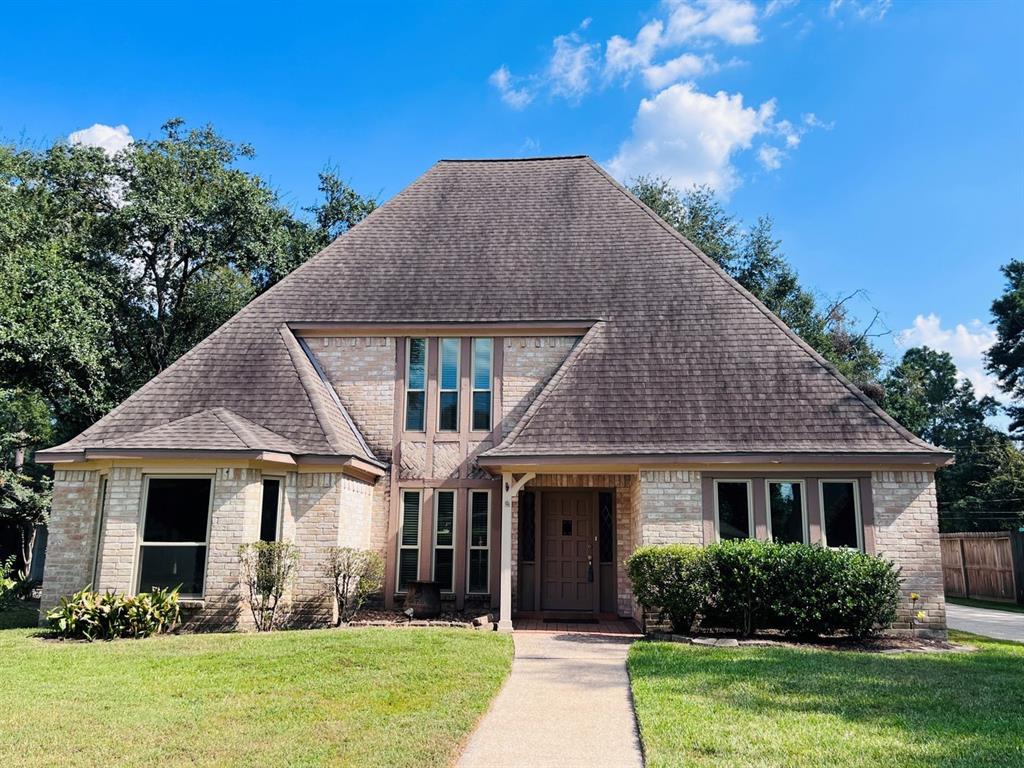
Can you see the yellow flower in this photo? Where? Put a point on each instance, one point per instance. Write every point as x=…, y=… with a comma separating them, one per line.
x=914, y=596
x=921, y=615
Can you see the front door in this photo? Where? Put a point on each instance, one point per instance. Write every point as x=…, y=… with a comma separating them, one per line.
x=569, y=526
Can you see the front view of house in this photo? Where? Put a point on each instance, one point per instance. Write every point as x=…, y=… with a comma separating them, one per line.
x=504, y=380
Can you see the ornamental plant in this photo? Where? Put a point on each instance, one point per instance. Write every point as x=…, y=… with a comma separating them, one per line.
x=355, y=574
x=669, y=580
x=267, y=569
x=89, y=615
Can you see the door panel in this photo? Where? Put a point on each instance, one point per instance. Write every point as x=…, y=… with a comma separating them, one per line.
x=567, y=549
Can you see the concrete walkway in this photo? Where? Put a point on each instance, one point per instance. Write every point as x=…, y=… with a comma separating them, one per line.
x=566, y=703
x=1002, y=625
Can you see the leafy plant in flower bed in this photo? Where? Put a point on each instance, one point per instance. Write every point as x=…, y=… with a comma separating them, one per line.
x=89, y=615
x=669, y=580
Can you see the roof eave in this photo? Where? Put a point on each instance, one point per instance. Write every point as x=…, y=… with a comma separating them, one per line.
x=934, y=459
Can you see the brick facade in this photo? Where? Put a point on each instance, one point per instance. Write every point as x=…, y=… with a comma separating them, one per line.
x=669, y=507
x=529, y=362
x=69, y=564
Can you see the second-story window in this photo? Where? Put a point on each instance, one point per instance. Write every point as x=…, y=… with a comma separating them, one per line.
x=448, y=391
x=483, y=355
x=416, y=385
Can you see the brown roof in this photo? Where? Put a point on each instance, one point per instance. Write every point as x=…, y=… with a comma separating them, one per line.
x=681, y=359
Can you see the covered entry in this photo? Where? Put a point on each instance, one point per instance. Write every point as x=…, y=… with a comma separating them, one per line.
x=566, y=551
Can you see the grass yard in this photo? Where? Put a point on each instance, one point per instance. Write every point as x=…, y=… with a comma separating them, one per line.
x=773, y=706
x=340, y=697
x=991, y=605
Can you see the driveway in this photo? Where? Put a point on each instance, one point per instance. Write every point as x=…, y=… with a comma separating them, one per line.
x=1002, y=625
x=566, y=703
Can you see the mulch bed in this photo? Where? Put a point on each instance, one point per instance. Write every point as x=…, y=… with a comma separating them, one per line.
x=382, y=618
x=886, y=644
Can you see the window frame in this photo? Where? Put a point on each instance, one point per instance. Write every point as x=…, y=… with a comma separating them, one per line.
x=455, y=536
x=470, y=547
x=473, y=389
x=409, y=389
x=401, y=531
x=279, y=527
x=101, y=513
x=441, y=389
x=140, y=541
x=750, y=504
x=857, y=513
x=805, y=519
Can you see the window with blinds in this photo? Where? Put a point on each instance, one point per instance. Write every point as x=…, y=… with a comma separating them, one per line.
x=409, y=540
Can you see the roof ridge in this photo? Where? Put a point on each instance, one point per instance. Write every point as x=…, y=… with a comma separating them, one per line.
x=511, y=159
x=297, y=358
x=217, y=413
x=550, y=386
x=880, y=412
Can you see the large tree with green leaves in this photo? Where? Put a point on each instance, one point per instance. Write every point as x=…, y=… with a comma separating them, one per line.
x=1006, y=356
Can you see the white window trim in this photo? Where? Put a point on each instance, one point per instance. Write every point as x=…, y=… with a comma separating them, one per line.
x=408, y=389
x=401, y=531
x=279, y=527
x=750, y=504
x=140, y=542
x=859, y=521
x=470, y=547
x=472, y=382
x=440, y=378
x=455, y=535
x=805, y=523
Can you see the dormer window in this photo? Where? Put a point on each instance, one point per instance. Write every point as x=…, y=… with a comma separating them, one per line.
x=416, y=385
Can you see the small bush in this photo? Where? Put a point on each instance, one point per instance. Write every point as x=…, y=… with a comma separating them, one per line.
x=9, y=585
x=267, y=569
x=355, y=574
x=669, y=579
x=742, y=578
x=89, y=615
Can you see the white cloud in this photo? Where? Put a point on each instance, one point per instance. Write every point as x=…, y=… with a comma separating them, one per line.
x=622, y=57
x=770, y=157
x=684, y=67
x=966, y=343
x=517, y=98
x=690, y=137
x=571, y=66
x=863, y=10
x=777, y=6
x=111, y=139
x=811, y=120
x=731, y=21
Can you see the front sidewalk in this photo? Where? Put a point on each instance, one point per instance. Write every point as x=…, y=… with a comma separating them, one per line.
x=566, y=702
x=1002, y=625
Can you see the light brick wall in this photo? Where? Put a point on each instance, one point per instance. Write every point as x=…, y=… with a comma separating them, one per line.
x=670, y=507
x=362, y=371
x=529, y=362
x=70, y=553
x=120, y=538
x=907, y=532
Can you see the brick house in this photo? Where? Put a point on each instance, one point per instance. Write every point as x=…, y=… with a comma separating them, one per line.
x=504, y=380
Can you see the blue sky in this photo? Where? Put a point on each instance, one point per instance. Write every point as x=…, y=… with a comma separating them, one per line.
x=886, y=139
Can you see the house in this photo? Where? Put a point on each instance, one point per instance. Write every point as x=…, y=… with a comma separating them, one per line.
x=505, y=379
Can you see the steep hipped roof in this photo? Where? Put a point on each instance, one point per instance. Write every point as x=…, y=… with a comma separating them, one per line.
x=681, y=359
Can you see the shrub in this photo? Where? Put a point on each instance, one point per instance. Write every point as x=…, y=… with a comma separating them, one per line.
x=89, y=615
x=9, y=586
x=742, y=578
x=267, y=569
x=355, y=574
x=669, y=580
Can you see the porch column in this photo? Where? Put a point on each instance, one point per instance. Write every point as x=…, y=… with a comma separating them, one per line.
x=508, y=491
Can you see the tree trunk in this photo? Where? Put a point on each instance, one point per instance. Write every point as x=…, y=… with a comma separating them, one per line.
x=27, y=534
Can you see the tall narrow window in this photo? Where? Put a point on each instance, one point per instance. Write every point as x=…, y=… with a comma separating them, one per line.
x=444, y=540
x=101, y=507
x=527, y=527
x=840, y=514
x=409, y=540
x=479, y=541
x=415, y=385
x=483, y=356
x=174, y=534
x=448, y=390
x=786, y=518
x=734, y=515
x=270, y=516
x=606, y=526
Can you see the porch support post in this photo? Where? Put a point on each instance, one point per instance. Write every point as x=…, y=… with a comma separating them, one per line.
x=509, y=489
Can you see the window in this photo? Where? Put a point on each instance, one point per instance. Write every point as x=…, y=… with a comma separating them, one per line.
x=527, y=527
x=606, y=522
x=840, y=514
x=734, y=514
x=270, y=516
x=787, y=519
x=409, y=540
x=482, y=357
x=479, y=539
x=444, y=540
x=448, y=391
x=101, y=506
x=415, y=385
x=174, y=534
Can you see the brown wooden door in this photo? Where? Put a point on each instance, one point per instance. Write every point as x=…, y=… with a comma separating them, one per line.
x=568, y=521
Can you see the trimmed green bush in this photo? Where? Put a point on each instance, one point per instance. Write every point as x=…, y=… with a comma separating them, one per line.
x=805, y=591
x=669, y=580
x=88, y=615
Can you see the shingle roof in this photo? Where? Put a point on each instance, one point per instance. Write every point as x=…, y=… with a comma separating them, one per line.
x=683, y=359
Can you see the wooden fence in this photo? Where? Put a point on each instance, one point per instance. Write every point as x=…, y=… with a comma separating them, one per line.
x=984, y=565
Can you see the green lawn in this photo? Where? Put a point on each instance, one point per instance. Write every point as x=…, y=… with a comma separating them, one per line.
x=992, y=605
x=326, y=697
x=773, y=706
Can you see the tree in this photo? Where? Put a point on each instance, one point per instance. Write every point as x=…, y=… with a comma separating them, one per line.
x=756, y=260
x=1006, y=356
